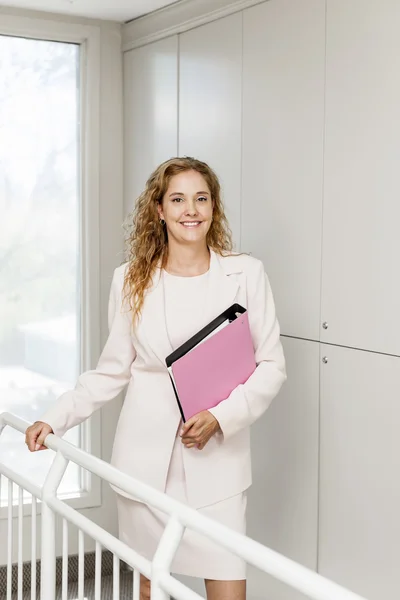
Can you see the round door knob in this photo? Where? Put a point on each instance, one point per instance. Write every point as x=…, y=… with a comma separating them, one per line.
x=325, y=325
x=325, y=360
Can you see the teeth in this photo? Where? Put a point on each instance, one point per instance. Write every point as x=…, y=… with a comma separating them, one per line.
x=191, y=224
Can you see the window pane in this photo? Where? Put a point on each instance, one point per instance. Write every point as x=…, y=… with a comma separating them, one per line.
x=39, y=239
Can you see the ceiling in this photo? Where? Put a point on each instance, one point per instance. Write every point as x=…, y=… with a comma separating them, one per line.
x=112, y=10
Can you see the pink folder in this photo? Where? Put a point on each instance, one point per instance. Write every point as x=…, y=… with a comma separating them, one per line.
x=209, y=366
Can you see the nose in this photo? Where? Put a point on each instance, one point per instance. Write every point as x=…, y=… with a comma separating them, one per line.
x=191, y=208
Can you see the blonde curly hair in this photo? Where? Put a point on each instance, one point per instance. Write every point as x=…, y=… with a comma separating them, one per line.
x=147, y=239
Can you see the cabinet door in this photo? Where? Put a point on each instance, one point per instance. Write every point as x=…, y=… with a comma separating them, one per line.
x=150, y=112
x=361, y=241
x=359, y=533
x=283, y=501
x=283, y=112
x=210, y=91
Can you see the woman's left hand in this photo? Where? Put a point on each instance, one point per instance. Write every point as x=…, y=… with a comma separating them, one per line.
x=199, y=429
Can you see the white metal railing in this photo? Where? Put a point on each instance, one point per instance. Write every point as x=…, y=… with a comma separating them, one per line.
x=163, y=586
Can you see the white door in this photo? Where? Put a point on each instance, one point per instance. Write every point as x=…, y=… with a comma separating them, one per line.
x=150, y=113
x=283, y=501
x=210, y=92
x=361, y=242
x=359, y=532
x=283, y=112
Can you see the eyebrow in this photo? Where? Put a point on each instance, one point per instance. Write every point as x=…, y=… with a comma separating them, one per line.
x=182, y=194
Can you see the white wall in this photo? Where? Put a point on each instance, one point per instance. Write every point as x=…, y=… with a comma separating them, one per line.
x=298, y=112
x=150, y=127
x=361, y=293
x=283, y=135
x=110, y=204
x=359, y=458
x=210, y=105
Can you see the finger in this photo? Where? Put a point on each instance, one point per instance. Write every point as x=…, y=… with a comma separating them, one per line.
x=192, y=437
x=39, y=446
x=187, y=441
x=40, y=439
x=191, y=440
x=188, y=425
x=196, y=444
x=192, y=433
x=202, y=444
x=31, y=437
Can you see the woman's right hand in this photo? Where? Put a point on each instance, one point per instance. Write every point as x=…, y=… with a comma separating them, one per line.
x=36, y=434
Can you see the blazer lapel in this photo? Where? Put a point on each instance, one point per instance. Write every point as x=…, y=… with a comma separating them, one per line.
x=153, y=319
x=222, y=287
x=221, y=292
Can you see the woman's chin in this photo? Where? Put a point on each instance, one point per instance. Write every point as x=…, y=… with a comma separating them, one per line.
x=195, y=241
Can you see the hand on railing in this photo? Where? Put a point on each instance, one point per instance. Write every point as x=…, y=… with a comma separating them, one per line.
x=36, y=434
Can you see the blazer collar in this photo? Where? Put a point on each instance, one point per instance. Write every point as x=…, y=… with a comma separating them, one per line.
x=221, y=293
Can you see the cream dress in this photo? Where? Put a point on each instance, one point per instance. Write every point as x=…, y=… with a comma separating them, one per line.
x=141, y=526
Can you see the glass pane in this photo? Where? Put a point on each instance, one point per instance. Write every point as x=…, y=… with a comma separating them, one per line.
x=39, y=239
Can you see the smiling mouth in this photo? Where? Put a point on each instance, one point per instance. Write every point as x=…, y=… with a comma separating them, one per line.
x=191, y=224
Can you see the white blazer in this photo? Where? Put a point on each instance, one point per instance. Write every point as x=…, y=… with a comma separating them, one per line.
x=150, y=416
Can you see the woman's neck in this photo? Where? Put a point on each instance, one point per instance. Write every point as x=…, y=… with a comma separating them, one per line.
x=187, y=262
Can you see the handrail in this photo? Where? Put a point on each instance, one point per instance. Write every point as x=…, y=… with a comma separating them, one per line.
x=301, y=578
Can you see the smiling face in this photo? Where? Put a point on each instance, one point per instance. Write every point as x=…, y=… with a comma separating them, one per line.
x=187, y=208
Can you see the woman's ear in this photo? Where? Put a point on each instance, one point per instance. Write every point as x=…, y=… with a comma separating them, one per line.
x=160, y=211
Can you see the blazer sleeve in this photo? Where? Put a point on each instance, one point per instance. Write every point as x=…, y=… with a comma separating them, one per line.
x=249, y=401
x=112, y=373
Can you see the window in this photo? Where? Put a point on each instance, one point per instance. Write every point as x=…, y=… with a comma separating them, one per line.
x=40, y=232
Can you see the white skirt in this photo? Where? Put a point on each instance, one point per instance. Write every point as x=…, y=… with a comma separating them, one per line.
x=141, y=527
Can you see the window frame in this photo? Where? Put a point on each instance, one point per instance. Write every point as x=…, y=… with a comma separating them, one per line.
x=88, y=37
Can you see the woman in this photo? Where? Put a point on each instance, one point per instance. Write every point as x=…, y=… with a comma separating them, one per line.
x=181, y=274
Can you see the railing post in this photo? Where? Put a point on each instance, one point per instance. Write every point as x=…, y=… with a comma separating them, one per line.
x=2, y=422
x=2, y=425
x=48, y=556
x=164, y=556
